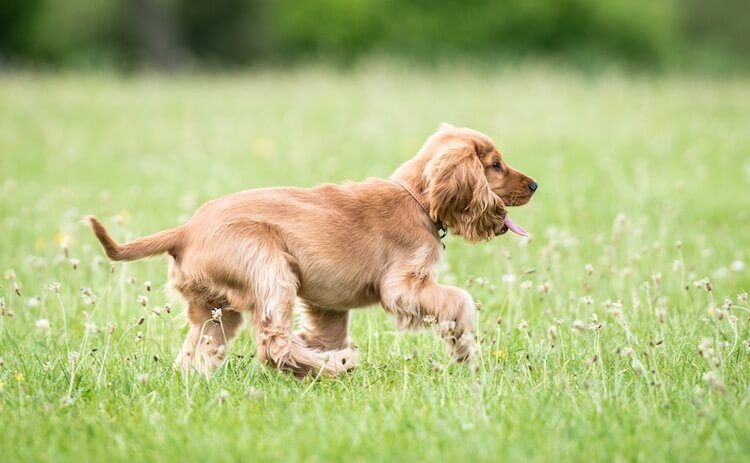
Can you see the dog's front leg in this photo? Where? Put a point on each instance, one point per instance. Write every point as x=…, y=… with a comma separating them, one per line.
x=451, y=309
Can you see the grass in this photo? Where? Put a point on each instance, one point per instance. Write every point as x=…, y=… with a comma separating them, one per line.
x=645, y=179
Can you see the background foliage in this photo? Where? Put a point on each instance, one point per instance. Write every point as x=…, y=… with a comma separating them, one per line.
x=172, y=34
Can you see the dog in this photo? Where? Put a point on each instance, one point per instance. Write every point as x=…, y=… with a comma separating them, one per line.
x=326, y=250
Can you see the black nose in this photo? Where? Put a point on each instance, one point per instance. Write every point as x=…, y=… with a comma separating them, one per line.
x=533, y=186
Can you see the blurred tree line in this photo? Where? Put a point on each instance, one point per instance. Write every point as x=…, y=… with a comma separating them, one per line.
x=169, y=34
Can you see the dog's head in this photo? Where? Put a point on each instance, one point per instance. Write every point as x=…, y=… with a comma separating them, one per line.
x=468, y=184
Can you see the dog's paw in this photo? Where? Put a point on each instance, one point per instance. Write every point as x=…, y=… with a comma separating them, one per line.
x=339, y=361
x=465, y=348
x=204, y=361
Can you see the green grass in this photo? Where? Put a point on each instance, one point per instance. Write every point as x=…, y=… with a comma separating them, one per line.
x=671, y=154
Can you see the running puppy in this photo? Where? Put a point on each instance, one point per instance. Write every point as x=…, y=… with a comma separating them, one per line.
x=333, y=248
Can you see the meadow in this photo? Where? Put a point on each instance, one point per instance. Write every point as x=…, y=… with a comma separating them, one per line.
x=619, y=332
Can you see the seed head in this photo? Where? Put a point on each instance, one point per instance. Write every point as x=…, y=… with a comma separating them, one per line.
x=676, y=266
x=544, y=288
x=55, y=287
x=142, y=378
x=526, y=284
x=73, y=357
x=578, y=327
x=222, y=396
x=523, y=326
x=594, y=323
x=589, y=269
x=587, y=300
x=147, y=285
x=742, y=297
x=661, y=314
x=216, y=315
x=143, y=300
x=552, y=332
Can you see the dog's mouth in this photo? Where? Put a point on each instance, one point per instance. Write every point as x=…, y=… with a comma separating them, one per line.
x=517, y=199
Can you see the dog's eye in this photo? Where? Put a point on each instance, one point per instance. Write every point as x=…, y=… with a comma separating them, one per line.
x=497, y=166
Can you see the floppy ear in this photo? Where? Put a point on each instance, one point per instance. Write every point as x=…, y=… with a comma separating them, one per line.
x=459, y=195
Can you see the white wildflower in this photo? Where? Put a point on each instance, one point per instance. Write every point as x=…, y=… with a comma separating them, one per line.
x=578, y=327
x=42, y=324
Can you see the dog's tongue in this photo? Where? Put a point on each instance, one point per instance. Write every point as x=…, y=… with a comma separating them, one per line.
x=517, y=229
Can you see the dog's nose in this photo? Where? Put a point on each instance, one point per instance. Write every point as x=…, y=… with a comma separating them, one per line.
x=533, y=186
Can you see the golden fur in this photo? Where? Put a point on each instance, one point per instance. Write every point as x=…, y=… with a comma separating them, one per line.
x=330, y=249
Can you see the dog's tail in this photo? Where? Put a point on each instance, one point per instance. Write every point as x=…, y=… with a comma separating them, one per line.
x=158, y=243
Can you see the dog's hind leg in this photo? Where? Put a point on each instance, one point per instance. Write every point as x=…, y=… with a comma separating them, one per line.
x=210, y=333
x=275, y=286
x=324, y=329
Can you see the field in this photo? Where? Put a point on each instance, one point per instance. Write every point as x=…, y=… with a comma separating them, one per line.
x=601, y=338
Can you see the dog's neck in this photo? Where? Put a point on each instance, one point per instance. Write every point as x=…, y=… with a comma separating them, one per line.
x=419, y=198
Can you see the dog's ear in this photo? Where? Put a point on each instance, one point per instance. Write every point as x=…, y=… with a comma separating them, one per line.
x=459, y=195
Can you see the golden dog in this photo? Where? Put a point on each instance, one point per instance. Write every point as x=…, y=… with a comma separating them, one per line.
x=333, y=248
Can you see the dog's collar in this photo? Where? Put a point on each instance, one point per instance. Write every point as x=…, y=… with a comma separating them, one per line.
x=441, y=231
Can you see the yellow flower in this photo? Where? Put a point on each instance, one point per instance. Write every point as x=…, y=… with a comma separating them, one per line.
x=2, y=386
x=63, y=240
x=500, y=355
x=19, y=376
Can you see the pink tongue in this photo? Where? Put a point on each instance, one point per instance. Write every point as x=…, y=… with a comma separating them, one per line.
x=517, y=229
